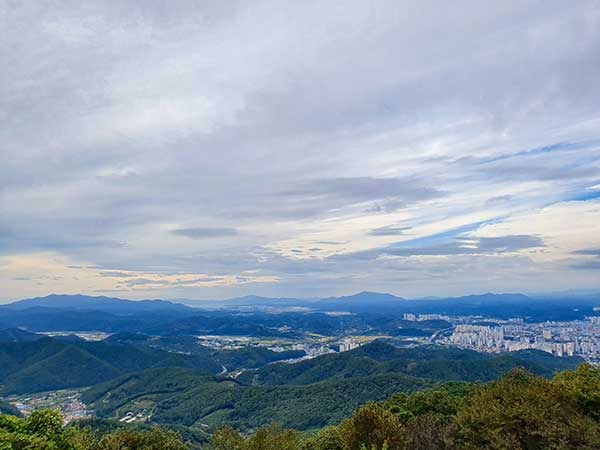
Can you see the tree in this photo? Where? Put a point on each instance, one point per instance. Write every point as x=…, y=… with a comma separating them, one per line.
x=327, y=439
x=44, y=430
x=428, y=432
x=272, y=437
x=226, y=438
x=524, y=412
x=582, y=386
x=372, y=425
x=154, y=439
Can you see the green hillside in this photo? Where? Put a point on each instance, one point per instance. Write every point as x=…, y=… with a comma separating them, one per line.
x=306, y=395
x=70, y=367
x=520, y=411
x=183, y=397
x=49, y=364
x=432, y=362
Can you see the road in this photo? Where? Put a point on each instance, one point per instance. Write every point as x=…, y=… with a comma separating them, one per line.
x=435, y=335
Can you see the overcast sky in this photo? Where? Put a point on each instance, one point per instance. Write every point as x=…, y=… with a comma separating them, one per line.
x=198, y=149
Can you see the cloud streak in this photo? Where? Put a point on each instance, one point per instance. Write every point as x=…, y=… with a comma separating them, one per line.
x=203, y=233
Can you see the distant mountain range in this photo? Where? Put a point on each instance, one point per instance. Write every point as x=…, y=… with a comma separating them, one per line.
x=362, y=299
x=368, y=299
x=91, y=303
x=365, y=310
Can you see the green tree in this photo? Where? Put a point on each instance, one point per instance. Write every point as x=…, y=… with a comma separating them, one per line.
x=272, y=437
x=131, y=439
x=327, y=439
x=582, y=386
x=428, y=432
x=524, y=412
x=371, y=425
x=42, y=430
x=226, y=438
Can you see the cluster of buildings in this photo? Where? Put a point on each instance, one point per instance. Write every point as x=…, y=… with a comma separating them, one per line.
x=424, y=317
x=579, y=337
x=141, y=416
x=311, y=347
x=349, y=344
x=478, y=337
x=92, y=336
x=67, y=402
x=312, y=350
x=225, y=342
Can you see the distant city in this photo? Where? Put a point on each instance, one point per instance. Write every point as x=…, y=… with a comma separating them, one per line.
x=577, y=337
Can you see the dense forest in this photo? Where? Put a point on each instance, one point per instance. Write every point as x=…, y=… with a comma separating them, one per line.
x=520, y=411
x=307, y=395
x=51, y=363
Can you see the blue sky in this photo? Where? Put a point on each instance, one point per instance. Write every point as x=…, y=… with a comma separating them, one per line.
x=214, y=149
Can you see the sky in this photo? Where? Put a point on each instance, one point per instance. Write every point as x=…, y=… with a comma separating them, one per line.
x=209, y=149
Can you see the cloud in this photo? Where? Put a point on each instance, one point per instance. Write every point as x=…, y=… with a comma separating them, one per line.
x=460, y=245
x=592, y=264
x=588, y=251
x=142, y=281
x=124, y=128
x=499, y=199
x=587, y=263
x=363, y=189
x=389, y=231
x=203, y=233
x=115, y=274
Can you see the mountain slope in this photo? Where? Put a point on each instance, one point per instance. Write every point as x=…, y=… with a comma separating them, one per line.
x=71, y=367
x=93, y=303
x=310, y=394
x=433, y=362
x=52, y=363
x=18, y=335
x=56, y=364
x=181, y=397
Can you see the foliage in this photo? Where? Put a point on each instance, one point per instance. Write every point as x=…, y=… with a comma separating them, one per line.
x=520, y=411
x=269, y=438
x=310, y=394
x=154, y=439
x=49, y=364
x=372, y=426
x=443, y=402
x=44, y=430
x=183, y=397
x=582, y=386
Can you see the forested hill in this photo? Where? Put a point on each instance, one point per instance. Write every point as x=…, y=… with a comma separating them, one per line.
x=431, y=362
x=50, y=363
x=518, y=412
x=180, y=397
x=306, y=395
